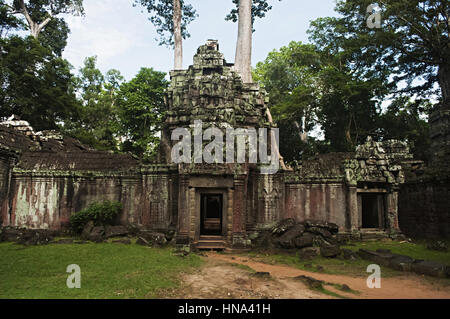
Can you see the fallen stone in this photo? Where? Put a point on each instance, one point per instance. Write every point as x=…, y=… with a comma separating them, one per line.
x=437, y=246
x=430, y=268
x=306, y=240
x=170, y=235
x=310, y=282
x=331, y=227
x=262, y=275
x=343, y=239
x=319, y=241
x=400, y=262
x=142, y=241
x=10, y=234
x=265, y=240
x=115, y=231
x=330, y=251
x=308, y=253
x=349, y=254
x=97, y=234
x=320, y=231
x=283, y=226
x=31, y=237
x=376, y=257
x=345, y=288
x=87, y=230
x=287, y=239
x=154, y=239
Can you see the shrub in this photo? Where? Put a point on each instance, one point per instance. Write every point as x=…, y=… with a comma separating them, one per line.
x=100, y=213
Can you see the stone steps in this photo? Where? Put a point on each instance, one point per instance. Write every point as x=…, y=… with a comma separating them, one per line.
x=211, y=243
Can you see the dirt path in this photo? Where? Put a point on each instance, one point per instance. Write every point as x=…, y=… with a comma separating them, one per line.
x=219, y=279
x=409, y=287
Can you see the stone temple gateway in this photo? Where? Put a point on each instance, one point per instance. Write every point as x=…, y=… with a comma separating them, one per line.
x=44, y=177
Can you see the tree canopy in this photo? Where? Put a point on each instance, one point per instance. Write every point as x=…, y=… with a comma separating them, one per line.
x=259, y=10
x=141, y=110
x=40, y=14
x=353, y=79
x=411, y=47
x=161, y=16
x=36, y=85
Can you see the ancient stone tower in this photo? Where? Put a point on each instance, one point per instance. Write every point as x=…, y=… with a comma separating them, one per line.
x=211, y=92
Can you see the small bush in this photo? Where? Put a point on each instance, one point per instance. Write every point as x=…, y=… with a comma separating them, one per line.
x=100, y=213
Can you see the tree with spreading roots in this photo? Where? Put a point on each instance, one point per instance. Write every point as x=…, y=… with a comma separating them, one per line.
x=170, y=17
x=39, y=13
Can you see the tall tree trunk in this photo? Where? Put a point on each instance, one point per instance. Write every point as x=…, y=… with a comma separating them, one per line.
x=178, y=40
x=35, y=28
x=302, y=134
x=243, y=60
x=444, y=83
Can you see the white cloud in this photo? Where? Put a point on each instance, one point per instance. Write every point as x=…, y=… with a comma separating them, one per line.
x=105, y=32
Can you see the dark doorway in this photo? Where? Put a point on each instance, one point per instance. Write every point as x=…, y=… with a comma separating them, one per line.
x=211, y=214
x=372, y=210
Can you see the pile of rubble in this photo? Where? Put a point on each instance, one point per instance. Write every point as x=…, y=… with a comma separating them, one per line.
x=91, y=233
x=99, y=234
x=311, y=238
x=27, y=236
x=386, y=258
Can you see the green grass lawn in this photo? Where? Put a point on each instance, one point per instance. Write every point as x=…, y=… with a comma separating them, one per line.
x=107, y=270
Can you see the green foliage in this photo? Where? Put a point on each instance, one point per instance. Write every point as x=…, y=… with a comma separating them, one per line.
x=141, y=109
x=97, y=124
x=8, y=22
x=310, y=89
x=411, y=47
x=55, y=33
x=162, y=18
x=100, y=213
x=259, y=10
x=36, y=84
x=404, y=120
x=353, y=81
x=117, y=115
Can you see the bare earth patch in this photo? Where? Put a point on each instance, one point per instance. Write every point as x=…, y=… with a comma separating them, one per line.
x=220, y=278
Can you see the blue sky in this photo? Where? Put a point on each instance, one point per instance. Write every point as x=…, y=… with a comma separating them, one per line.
x=122, y=37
